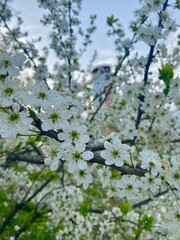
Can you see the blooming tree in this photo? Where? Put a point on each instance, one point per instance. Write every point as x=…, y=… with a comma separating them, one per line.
x=73, y=169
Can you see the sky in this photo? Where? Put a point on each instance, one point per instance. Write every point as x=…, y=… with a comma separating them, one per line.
x=123, y=10
x=31, y=14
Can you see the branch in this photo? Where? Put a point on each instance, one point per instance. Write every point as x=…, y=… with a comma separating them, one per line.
x=19, y=206
x=102, y=102
x=39, y=189
x=118, y=67
x=22, y=158
x=70, y=37
x=50, y=133
x=18, y=42
x=137, y=205
x=27, y=224
x=124, y=170
x=146, y=73
x=175, y=141
x=149, y=199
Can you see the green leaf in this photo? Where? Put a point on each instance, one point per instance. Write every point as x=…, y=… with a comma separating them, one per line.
x=137, y=231
x=166, y=91
x=166, y=74
x=125, y=207
x=111, y=20
x=134, y=27
x=146, y=222
x=85, y=207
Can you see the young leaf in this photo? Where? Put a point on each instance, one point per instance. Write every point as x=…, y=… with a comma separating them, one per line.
x=111, y=20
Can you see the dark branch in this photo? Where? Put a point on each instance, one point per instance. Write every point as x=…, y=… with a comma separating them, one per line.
x=149, y=199
x=124, y=170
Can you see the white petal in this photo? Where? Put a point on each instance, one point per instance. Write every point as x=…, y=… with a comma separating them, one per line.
x=109, y=161
x=54, y=164
x=119, y=163
x=87, y=155
x=103, y=154
x=3, y=70
x=47, y=161
x=117, y=143
x=84, y=138
x=80, y=147
x=72, y=166
x=108, y=145
x=18, y=59
x=82, y=164
x=13, y=71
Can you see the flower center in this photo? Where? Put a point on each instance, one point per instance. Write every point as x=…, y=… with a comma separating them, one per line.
x=54, y=153
x=77, y=156
x=115, y=153
x=74, y=135
x=54, y=117
x=176, y=176
x=151, y=180
x=42, y=95
x=14, y=117
x=177, y=216
x=6, y=63
x=81, y=173
x=152, y=164
x=9, y=91
x=129, y=187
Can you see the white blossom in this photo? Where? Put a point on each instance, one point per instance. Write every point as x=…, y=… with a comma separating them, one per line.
x=115, y=153
x=173, y=217
x=54, y=117
x=150, y=161
x=150, y=182
x=83, y=176
x=74, y=132
x=77, y=157
x=14, y=121
x=9, y=90
x=9, y=64
x=129, y=186
x=53, y=153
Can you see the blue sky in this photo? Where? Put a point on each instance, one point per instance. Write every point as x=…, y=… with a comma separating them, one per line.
x=123, y=10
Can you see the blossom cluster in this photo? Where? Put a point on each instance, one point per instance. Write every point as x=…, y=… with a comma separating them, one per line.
x=55, y=111
x=138, y=161
x=157, y=173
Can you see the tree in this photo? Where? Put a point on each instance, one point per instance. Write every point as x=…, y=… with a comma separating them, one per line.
x=72, y=169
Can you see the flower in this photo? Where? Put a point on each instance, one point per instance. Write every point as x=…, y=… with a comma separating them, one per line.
x=74, y=133
x=40, y=96
x=117, y=212
x=150, y=34
x=54, y=117
x=105, y=175
x=8, y=90
x=53, y=153
x=84, y=177
x=14, y=121
x=77, y=157
x=173, y=217
x=173, y=178
x=150, y=161
x=129, y=186
x=150, y=182
x=109, y=138
x=113, y=189
x=115, y=153
x=9, y=64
